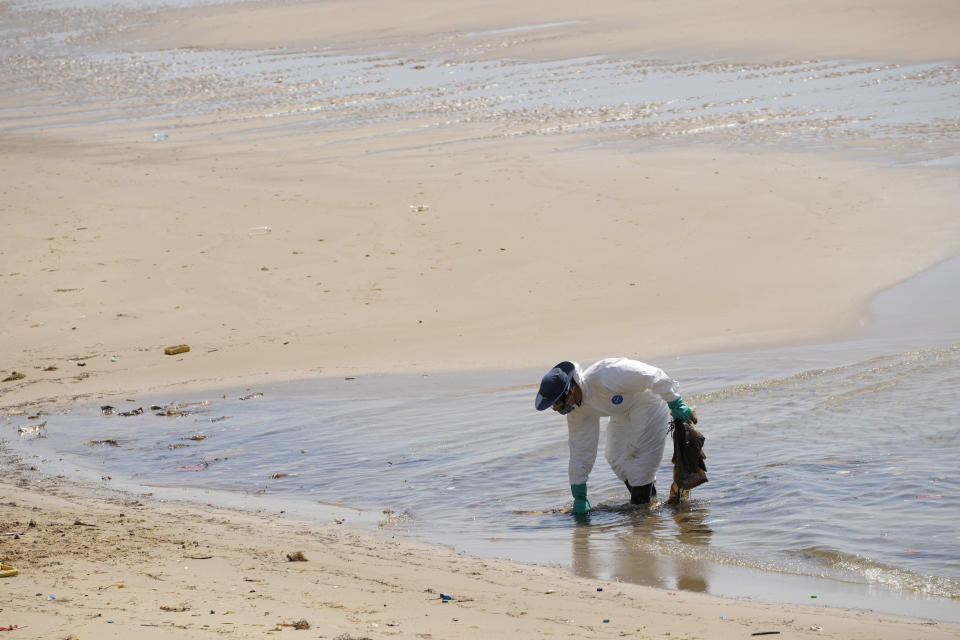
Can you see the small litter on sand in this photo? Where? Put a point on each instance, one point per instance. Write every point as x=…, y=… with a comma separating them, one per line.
x=296, y=556
x=38, y=430
x=298, y=625
x=174, y=350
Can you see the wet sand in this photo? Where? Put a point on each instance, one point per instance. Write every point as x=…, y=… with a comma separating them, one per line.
x=531, y=249
x=754, y=29
x=115, y=565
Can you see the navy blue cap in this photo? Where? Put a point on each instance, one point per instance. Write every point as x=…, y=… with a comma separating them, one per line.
x=554, y=384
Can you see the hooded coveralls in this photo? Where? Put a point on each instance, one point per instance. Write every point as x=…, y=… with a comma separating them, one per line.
x=634, y=395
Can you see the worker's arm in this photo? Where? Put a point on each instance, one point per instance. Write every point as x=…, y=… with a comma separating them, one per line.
x=584, y=433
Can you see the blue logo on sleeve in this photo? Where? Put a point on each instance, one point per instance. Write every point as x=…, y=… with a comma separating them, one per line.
x=617, y=399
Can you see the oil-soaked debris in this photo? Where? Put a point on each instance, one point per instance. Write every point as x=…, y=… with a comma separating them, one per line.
x=95, y=443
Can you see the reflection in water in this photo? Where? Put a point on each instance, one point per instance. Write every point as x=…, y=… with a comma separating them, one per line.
x=692, y=529
x=632, y=557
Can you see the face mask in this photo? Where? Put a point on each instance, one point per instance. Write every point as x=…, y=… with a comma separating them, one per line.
x=565, y=405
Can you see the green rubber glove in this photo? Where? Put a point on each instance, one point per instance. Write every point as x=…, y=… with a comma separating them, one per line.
x=580, y=502
x=681, y=412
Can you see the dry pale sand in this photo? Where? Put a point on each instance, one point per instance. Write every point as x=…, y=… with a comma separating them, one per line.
x=112, y=250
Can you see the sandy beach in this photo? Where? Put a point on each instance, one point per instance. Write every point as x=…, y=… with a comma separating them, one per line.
x=112, y=566
x=109, y=277
x=378, y=248
x=115, y=247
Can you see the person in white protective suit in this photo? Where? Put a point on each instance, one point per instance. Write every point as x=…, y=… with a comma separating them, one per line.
x=638, y=398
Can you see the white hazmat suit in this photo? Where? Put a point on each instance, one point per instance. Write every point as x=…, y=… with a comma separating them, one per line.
x=634, y=396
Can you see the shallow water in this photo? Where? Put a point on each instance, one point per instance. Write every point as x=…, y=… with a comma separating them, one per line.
x=831, y=466
x=59, y=56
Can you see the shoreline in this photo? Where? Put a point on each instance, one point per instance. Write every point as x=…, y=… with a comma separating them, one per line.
x=40, y=397
x=384, y=290
x=728, y=582
x=111, y=563
x=119, y=246
x=774, y=589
